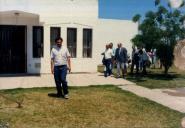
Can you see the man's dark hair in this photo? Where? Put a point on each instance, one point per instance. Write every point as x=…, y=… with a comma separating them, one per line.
x=58, y=38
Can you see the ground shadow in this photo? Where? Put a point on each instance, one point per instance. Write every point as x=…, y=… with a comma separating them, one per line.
x=8, y=108
x=19, y=75
x=177, y=94
x=155, y=76
x=54, y=95
x=101, y=75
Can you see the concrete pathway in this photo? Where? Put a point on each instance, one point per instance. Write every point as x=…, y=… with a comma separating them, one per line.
x=47, y=80
x=172, y=98
x=158, y=95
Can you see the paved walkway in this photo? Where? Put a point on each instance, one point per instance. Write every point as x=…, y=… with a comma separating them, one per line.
x=160, y=96
x=172, y=98
x=47, y=80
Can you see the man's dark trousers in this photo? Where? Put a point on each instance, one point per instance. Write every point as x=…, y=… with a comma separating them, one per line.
x=108, y=69
x=60, y=73
x=137, y=66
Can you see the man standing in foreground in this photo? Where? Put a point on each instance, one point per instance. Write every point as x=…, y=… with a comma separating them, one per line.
x=60, y=63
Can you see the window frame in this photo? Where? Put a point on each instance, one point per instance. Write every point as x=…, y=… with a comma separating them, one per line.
x=34, y=36
x=83, y=43
x=75, y=54
x=52, y=42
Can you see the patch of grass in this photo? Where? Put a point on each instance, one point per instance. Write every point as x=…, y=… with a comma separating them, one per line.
x=92, y=107
x=157, y=79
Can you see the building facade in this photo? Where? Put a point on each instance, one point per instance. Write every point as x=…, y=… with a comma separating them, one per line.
x=28, y=29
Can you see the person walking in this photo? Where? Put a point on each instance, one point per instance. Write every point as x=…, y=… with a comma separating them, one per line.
x=60, y=63
x=145, y=58
x=135, y=60
x=113, y=55
x=121, y=60
x=107, y=60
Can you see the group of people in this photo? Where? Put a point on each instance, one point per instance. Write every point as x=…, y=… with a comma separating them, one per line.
x=120, y=59
x=141, y=59
x=116, y=57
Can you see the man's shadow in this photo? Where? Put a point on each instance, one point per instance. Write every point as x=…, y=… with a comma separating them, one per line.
x=53, y=95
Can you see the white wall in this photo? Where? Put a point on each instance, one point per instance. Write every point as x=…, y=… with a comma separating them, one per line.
x=115, y=31
x=9, y=17
x=67, y=13
x=54, y=8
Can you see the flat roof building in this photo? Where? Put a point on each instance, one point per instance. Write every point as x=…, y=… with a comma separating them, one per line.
x=28, y=29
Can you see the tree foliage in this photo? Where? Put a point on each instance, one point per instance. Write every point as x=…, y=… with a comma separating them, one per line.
x=136, y=18
x=161, y=29
x=157, y=2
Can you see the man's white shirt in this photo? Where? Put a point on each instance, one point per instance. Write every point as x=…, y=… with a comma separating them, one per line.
x=60, y=55
x=108, y=53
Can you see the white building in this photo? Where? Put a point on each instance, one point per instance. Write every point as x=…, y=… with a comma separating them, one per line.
x=28, y=28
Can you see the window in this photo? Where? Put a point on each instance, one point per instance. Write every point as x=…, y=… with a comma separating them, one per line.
x=87, y=43
x=54, y=33
x=38, y=41
x=71, y=41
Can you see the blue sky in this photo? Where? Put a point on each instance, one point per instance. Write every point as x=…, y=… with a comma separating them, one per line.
x=125, y=9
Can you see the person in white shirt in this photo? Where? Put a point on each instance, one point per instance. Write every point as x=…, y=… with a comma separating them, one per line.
x=60, y=63
x=108, y=59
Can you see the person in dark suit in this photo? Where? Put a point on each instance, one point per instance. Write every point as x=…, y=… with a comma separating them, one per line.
x=135, y=60
x=121, y=59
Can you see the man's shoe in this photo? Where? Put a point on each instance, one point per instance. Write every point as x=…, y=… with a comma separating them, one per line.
x=66, y=96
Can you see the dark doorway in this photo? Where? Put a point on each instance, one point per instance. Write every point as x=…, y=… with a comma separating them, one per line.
x=12, y=49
